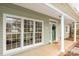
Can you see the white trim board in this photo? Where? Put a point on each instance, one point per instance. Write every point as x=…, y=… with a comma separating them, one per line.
x=53, y=20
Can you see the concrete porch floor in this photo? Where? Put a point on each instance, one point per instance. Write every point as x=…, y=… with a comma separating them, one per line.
x=46, y=50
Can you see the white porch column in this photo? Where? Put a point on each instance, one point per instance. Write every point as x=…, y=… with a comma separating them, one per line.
x=62, y=34
x=75, y=32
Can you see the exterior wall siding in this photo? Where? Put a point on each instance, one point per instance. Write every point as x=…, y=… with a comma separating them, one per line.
x=1, y=35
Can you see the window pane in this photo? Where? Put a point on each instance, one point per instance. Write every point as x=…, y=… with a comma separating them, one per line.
x=38, y=37
x=8, y=41
x=38, y=26
x=18, y=43
x=13, y=43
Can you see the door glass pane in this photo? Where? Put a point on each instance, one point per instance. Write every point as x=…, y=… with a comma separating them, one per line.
x=53, y=32
x=13, y=32
x=28, y=32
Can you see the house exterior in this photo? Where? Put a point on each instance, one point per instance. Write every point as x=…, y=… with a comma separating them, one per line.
x=22, y=28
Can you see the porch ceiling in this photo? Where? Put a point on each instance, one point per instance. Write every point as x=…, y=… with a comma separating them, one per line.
x=68, y=21
x=44, y=9
x=66, y=8
x=41, y=8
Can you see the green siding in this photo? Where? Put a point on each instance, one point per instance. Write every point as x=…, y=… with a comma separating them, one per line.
x=1, y=34
x=20, y=11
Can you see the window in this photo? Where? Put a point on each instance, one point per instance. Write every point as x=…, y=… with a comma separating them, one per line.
x=66, y=29
x=38, y=32
x=13, y=32
x=28, y=32
x=22, y=32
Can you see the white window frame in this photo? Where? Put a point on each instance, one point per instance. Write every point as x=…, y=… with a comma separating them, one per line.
x=13, y=51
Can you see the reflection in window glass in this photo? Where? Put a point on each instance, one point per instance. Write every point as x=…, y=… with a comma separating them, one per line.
x=38, y=32
x=28, y=32
x=13, y=32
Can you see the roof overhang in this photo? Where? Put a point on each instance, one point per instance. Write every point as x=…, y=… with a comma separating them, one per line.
x=47, y=9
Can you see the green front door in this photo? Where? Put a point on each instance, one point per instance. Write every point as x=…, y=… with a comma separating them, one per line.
x=53, y=32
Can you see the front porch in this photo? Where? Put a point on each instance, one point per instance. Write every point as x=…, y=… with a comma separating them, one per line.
x=47, y=50
x=37, y=31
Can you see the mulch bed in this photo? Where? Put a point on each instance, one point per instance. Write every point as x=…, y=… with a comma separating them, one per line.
x=71, y=54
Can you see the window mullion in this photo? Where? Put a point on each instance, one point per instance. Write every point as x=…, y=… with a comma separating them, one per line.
x=42, y=31
x=34, y=32
x=22, y=32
